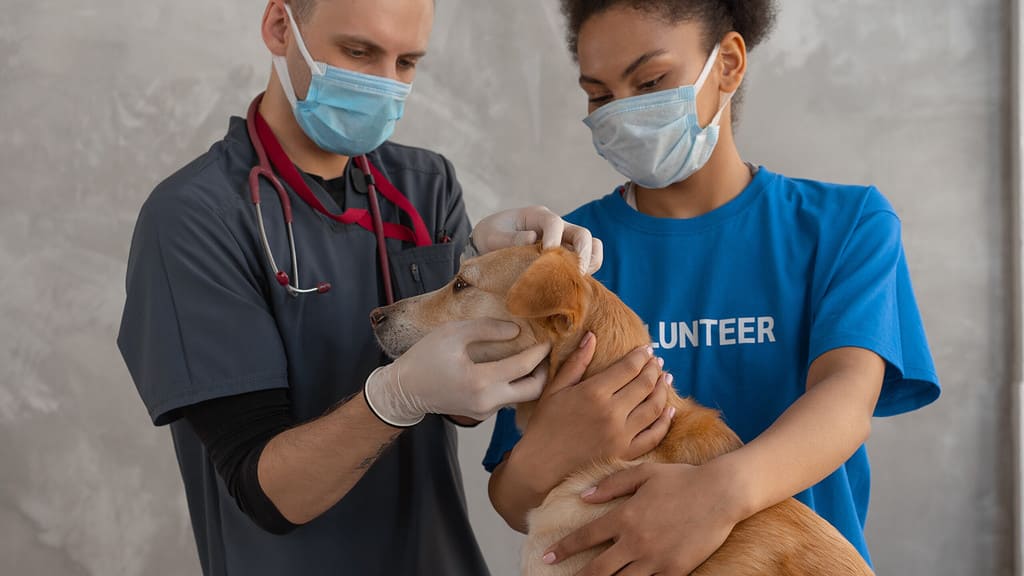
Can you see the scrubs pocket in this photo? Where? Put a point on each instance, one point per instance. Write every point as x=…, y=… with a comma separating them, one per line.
x=419, y=270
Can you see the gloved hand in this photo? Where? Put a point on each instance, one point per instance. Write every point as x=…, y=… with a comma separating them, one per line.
x=437, y=376
x=524, y=226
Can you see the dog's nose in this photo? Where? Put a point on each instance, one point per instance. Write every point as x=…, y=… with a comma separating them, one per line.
x=377, y=317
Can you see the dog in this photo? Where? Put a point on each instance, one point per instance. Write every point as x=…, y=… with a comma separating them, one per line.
x=545, y=293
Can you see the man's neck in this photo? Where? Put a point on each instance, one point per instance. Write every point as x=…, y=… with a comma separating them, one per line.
x=723, y=178
x=303, y=152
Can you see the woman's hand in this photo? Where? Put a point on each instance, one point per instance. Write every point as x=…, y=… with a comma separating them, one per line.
x=676, y=517
x=679, y=514
x=618, y=413
x=525, y=226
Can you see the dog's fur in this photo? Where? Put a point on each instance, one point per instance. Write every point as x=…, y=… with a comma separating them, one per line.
x=551, y=301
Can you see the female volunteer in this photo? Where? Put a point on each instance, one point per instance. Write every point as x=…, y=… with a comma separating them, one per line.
x=785, y=303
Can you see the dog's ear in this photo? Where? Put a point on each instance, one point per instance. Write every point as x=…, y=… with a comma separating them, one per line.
x=551, y=289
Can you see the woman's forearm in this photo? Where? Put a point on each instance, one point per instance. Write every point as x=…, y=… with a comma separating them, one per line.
x=813, y=437
x=514, y=491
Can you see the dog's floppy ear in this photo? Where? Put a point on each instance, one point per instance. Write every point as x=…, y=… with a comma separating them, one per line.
x=551, y=289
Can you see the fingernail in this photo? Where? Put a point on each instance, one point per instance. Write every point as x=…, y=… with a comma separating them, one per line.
x=672, y=412
x=669, y=379
x=589, y=492
x=649, y=351
x=586, y=339
x=661, y=362
x=549, y=558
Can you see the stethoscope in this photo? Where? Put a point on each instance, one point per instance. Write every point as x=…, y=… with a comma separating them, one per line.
x=271, y=156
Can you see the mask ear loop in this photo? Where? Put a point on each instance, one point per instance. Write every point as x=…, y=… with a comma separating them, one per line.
x=281, y=65
x=314, y=66
x=724, y=99
x=707, y=69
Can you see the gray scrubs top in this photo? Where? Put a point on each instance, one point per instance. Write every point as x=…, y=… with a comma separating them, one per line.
x=204, y=319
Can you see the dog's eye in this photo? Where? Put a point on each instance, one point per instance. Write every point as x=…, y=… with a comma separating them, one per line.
x=460, y=285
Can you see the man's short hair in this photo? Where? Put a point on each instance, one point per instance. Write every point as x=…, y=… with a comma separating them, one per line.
x=303, y=9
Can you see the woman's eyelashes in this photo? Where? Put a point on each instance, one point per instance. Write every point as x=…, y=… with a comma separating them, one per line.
x=652, y=85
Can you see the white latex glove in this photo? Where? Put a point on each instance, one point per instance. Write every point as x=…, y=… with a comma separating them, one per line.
x=437, y=376
x=525, y=226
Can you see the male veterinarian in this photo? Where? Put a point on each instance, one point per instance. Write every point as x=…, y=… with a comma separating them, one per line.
x=299, y=453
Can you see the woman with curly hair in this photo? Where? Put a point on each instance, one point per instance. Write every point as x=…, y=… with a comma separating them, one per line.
x=784, y=303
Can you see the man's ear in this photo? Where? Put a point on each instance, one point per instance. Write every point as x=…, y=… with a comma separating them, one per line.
x=550, y=289
x=275, y=28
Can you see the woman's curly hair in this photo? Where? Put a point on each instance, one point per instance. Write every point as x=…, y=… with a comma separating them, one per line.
x=752, y=19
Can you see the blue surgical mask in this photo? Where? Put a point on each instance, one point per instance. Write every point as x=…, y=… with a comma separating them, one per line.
x=344, y=112
x=656, y=139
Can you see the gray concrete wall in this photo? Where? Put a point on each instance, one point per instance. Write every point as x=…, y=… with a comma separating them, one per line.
x=99, y=100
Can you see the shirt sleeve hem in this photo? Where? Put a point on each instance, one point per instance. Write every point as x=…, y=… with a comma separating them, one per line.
x=493, y=459
x=911, y=389
x=503, y=439
x=822, y=346
x=169, y=409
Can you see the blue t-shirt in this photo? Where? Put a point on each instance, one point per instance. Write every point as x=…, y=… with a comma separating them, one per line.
x=741, y=300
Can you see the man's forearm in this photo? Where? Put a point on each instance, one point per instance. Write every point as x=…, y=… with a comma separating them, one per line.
x=308, y=469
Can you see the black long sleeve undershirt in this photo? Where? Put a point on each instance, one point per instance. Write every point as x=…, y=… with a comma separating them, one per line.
x=235, y=430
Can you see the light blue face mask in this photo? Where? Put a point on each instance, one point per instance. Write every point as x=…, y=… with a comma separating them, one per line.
x=344, y=112
x=656, y=139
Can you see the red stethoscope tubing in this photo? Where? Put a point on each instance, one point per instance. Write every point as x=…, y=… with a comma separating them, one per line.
x=270, y=155
x=378, y=227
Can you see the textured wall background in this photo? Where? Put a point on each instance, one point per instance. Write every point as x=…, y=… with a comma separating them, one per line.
x=99, y=100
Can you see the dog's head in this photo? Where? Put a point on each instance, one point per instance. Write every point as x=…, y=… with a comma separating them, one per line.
x=543, y=292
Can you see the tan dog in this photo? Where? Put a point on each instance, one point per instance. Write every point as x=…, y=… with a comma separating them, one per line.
x=551, y=301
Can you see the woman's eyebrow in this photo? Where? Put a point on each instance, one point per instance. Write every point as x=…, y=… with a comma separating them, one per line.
x=640, y=62
x=629, y=69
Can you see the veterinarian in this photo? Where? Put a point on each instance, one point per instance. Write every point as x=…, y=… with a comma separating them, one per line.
x=287, y=468
x=787, y=304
